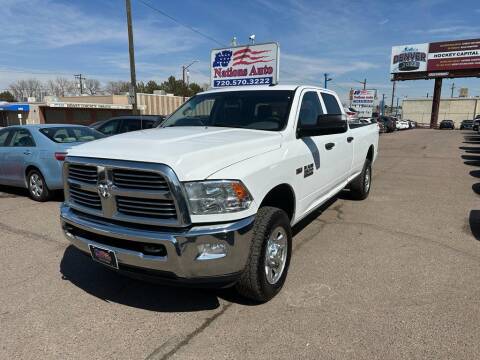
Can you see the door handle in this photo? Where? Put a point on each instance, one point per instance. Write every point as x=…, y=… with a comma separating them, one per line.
x=329, y=146
x=28, y=152
x=350, y=139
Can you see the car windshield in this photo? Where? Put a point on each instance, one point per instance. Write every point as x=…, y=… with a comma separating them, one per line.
x=63, y=134
x=261, y=110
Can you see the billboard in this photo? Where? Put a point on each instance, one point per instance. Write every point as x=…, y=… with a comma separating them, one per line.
x=454, y=55
x=363, y=101
x=245, y=65
x=409, y=58
x=436, y=58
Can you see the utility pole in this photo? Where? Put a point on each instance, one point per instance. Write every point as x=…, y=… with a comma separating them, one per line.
x=364, y=83
x=393, y=97
x=131, y=51
x=184, y=68
x=453, y=88
x=396, y=109
x=383, y=104
x=80, y=78
x=327, y=79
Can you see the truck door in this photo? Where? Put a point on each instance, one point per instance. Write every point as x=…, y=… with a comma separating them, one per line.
x=319, y=158
x=342, y=150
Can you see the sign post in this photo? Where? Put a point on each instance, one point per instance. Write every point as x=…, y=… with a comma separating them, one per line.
x=245, y=65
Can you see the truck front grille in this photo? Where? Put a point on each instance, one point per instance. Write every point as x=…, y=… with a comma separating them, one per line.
x=132, y=192
x=152, y=208
x=85, y=198
x=131, y=179
x=83, y=173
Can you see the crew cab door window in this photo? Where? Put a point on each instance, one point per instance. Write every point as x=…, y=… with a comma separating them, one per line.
x=22, y=138
x=331, y=104
x=310, y=109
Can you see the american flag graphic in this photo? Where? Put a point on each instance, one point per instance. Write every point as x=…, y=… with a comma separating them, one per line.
x=247, y=56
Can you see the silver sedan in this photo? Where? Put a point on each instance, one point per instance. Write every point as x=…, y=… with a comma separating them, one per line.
x=31, y=156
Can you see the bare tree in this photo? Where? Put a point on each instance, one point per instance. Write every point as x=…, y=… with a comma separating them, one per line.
x=60, y=87
x=92, y=86
x=118, y=87
x=23, y=89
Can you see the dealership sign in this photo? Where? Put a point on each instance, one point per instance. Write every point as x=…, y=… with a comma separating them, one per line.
x=436, y=57
x=245, y=65
x=363, y=101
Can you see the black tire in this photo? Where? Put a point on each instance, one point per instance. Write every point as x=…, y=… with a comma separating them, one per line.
x=40, y=192
x=253, y=283
x=361, y=185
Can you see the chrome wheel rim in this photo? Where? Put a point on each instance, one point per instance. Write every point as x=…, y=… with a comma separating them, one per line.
x=276, y=255
x=367, y=179
x=36, y=185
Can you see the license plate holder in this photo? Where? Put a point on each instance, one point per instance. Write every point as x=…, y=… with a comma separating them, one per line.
x=103, y=256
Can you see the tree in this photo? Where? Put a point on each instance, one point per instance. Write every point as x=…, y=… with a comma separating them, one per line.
x=7, y=96
x=118, y=87
x=23, y=89
x=92, y=86
x=60, y=87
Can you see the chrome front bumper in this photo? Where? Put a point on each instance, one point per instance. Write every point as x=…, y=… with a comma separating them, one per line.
x=181, y=259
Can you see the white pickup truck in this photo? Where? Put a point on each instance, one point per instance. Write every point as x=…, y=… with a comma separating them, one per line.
x=210, y=197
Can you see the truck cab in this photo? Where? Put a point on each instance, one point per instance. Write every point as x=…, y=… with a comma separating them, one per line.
x=212, y=194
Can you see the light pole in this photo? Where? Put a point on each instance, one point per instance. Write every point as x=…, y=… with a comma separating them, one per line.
x=327, y=79
x=184, y=68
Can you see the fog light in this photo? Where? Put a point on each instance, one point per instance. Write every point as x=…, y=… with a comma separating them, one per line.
x=211, y=251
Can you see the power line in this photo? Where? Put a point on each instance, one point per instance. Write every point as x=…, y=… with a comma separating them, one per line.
x=181, y=23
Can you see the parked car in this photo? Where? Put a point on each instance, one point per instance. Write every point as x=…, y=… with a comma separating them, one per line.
x=466, y=125
x=447, y=124
x=412, y=124
x=381, y=127
x=123, y=124
x=31, y=156
x=476, y=124
x=389, y=123
x=225, y=178
x=402, y=124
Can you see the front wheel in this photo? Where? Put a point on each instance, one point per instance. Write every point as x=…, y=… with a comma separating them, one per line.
x=269, y=259
x=37, y=187
x=360, y=186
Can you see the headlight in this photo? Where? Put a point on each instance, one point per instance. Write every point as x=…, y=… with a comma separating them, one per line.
x=217, y=196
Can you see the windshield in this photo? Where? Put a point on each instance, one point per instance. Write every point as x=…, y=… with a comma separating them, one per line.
x=71, y=134
x=261, y=110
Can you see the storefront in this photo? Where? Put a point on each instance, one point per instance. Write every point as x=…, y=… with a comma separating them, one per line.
x=13, y=114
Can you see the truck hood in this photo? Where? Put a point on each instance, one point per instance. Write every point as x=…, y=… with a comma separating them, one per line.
x=194, y=153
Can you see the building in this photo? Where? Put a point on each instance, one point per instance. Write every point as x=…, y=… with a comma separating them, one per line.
x=456, y=109
x=85, y=110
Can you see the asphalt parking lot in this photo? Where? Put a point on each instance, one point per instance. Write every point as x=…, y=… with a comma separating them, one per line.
x=394, y=276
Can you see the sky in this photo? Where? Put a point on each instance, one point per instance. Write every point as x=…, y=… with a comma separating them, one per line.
x=349, y=40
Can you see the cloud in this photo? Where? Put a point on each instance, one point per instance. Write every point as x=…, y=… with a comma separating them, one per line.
x=452, y=31
x=304, y=68
x=384, y=21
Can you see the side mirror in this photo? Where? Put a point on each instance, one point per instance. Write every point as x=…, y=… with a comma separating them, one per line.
x=326, y=124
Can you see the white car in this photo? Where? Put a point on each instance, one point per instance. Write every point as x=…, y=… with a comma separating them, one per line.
x=211, y=197
x=402, y=124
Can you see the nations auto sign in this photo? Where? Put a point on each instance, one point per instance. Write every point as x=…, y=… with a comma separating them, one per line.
x=245, y=65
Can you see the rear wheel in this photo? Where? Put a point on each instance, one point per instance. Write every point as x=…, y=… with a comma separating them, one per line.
x=37, y=187
x=360, y=186
x=269, y=258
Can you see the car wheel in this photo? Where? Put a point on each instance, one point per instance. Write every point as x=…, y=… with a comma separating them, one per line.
x=360, y=186
x=269, y=259
x=37, y=187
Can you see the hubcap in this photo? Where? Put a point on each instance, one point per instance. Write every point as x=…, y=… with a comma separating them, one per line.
x=36, y=185
x=276, y=255
x=367, y=179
